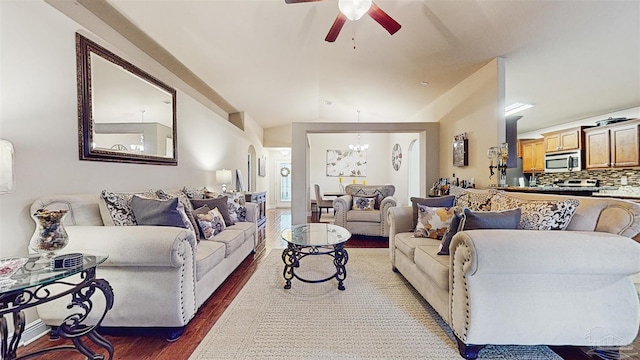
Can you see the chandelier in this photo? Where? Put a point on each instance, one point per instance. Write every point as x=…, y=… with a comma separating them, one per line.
x=358, y=146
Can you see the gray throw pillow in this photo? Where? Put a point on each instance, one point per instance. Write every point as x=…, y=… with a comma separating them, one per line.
x=508, y=219
x=474, y=220
x=157, y=212
x=443, y=201
x=220, y=203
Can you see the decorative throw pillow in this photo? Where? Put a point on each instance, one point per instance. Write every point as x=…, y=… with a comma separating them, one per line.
x=363, y=203
x=220, y=203
x=444, y=201
x=458, y=213
x=539, y=214
x=211, y=223
x=117, y=207
x=507, y=219
x=158, y=212
x=475, y=200
x=433, y=222
x=237, y=209
x=188, y=208
x=370, y=193
x=195, y=194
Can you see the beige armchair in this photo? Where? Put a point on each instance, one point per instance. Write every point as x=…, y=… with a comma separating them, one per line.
x=364, y=219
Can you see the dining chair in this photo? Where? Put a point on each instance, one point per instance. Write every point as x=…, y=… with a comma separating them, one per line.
x=322, y=203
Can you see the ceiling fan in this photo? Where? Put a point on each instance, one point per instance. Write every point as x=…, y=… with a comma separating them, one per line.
x=354, y=10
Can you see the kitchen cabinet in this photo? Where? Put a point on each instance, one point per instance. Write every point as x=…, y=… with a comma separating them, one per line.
x=259, y=198
x=613, y=146
x=563, y=140
x=532, y=151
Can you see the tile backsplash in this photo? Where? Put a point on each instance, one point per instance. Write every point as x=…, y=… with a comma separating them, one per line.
x=609, y=177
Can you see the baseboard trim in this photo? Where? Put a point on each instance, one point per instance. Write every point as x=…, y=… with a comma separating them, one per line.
x=32, y=332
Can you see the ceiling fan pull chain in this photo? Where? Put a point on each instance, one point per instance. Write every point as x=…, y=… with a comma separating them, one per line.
x=353, y=38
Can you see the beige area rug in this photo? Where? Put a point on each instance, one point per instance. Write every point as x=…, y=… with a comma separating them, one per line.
x=327, y=218
x=378, y=316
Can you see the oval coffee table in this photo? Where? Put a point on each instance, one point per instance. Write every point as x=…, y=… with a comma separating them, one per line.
x=315, y=239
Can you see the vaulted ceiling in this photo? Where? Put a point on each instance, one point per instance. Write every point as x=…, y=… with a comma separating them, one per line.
x=573, y=59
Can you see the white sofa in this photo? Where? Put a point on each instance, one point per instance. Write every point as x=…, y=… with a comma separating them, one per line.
x=160, y=275
x=573, y=287
x=362, y=222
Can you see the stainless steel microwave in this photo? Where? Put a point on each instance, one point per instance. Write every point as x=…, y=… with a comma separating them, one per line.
x=563, y=162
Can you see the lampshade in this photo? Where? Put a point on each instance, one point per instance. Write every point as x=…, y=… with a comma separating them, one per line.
x=7, y=180
x=354, y=9
x=223, y=177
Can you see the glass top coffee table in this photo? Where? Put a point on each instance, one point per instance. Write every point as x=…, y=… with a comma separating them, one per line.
x=315, y=239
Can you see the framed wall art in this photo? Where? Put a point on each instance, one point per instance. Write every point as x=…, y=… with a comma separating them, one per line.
x=346, y=163
x=460, y=150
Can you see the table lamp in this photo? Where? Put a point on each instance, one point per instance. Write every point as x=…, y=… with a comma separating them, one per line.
x=223, y=177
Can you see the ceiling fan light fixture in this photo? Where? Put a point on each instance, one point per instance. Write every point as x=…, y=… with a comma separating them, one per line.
x=354, y=9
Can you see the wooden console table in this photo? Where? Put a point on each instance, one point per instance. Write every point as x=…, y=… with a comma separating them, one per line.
x=259, y=198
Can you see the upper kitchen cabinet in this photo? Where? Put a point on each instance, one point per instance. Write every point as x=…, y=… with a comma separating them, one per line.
x=532, y=151
x=613, y=146
x=563, y=140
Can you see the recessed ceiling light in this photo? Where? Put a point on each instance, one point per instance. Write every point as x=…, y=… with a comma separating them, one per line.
x=424, y=83
x=516, y=107
x=328, y=102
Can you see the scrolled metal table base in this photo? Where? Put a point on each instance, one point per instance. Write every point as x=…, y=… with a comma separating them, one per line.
x=73, y=326
x=292, y=255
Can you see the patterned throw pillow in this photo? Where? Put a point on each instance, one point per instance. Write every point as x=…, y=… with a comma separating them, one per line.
x=237, y=209
x=538, y=214
x=118, y=206
x=211, y=223
x=474, y=200
x=195, y=194
x=363, y=203
x=442, y=201
x=433, y=222
x=221, y=203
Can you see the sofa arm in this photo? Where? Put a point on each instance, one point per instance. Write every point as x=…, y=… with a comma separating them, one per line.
x=252, y=212
x=341, y=205
x=542, y=277
x=386, y=204
x=400, y=220
x=545, y=252
x=133, y=245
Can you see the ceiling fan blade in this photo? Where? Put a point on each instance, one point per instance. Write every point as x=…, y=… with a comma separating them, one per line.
x=299, y=1
x=384, y=19
x=335, y=28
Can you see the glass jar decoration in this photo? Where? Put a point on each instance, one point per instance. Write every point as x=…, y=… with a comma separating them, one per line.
x=50, y=235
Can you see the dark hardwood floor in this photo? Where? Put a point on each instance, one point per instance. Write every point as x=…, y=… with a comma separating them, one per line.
x=157, y=348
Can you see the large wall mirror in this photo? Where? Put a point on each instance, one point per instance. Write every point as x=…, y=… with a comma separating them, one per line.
x=125, y=114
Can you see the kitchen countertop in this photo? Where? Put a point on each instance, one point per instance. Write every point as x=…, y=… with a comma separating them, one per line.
x=543, y=188
x=625, y=192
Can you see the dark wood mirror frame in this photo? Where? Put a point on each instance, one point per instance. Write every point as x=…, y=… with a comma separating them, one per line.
x=86, y=126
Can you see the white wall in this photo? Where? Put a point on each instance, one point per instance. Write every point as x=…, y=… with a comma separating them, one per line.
x=38, y=114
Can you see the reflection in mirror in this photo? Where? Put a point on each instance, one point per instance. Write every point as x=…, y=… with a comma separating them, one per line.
x=125, y=114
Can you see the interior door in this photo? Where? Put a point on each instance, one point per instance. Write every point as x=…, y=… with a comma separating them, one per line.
x=283, y=184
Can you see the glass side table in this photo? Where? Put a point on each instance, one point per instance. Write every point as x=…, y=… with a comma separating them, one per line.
x=315, y=239
x=29, y=281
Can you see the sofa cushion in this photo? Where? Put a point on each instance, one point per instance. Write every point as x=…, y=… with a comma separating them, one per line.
x=443, y=201
x=407, y=243
x=364, y=203
x=436, y=267
x=365, y=216
x=249, y=228
x=220, y=203
x=115, y=207
x=208, y=255
x=231, y=238
x=157, y=212
x=211, y=223
x=433, y=222
x=538, y=214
